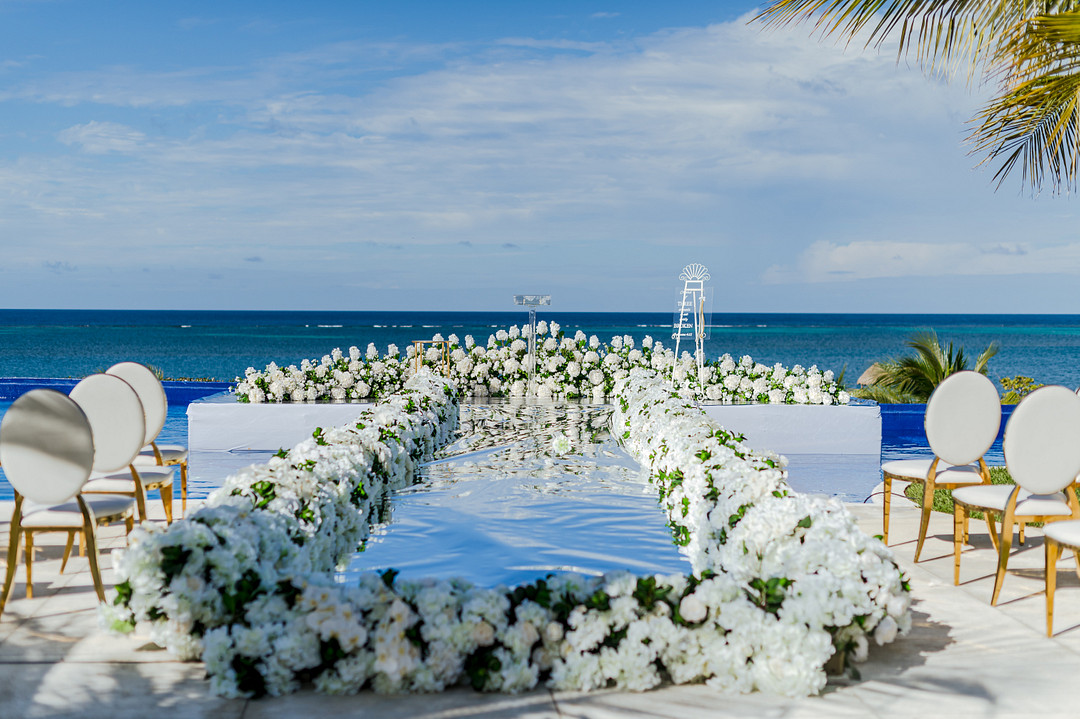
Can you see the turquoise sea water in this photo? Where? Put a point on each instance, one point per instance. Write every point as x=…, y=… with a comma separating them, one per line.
x=221, y=345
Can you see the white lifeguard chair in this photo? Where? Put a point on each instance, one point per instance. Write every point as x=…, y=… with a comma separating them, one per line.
x=690, y=321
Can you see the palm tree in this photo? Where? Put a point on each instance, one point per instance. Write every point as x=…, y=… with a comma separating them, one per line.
x=1031, y=48
x=914, y=377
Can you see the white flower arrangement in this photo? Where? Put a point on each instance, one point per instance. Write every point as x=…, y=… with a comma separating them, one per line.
x=780, y=583
x=565, y=367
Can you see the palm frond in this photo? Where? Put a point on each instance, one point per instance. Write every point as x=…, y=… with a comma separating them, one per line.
x=1031, y=48
x=957, y=33
x=917, y=374
x=1033, y=123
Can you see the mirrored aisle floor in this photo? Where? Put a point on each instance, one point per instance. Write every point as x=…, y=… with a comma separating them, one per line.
x=526, y=490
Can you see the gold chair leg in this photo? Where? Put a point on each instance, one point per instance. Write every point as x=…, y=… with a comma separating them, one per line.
x=888, y=506
x=13, y=551
x=1022, y=525
x=82, y=544
x=993, y=530
x=29, y=564
x=924, y=522
x=67, y=549
x=91, y=548
x=1052, y=550
x=166, y=501
x=959, y=521
x=184, y=487
x=1003, y=557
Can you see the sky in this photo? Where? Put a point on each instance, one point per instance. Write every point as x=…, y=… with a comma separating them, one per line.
x=448, y=155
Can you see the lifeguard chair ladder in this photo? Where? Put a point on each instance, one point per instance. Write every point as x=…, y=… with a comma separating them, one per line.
x=690, y=313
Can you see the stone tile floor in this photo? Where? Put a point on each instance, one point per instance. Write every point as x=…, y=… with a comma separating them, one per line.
x=962, y=657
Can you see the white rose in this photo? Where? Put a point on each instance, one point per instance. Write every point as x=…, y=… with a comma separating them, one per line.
x=692, y=609
x=886, y=631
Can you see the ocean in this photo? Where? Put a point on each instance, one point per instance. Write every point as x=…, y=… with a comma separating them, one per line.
x=222, y=344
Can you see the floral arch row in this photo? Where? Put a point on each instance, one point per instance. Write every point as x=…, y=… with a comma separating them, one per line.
x=569, y=367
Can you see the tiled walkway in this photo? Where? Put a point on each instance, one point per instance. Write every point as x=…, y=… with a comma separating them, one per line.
x=962, y=658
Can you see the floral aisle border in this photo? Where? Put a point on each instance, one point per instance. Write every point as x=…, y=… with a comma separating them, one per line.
x=248, y=584
x=801, y=559
x=568, y=367
x=303, y=512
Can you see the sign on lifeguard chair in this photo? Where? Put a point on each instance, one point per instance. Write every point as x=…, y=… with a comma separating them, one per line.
x=691, y=321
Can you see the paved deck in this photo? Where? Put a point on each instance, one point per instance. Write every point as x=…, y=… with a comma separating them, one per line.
x=962, y=658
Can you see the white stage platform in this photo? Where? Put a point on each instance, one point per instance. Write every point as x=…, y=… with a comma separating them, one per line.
x=804, y=429
x=220, y=423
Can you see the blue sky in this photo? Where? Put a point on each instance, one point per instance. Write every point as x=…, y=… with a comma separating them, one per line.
x=436, y=155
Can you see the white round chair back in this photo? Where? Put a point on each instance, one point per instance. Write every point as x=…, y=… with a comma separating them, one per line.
x=1042, y=440
x=116, y=420
x=46, y=446
x=151, y=394
x=963, y=416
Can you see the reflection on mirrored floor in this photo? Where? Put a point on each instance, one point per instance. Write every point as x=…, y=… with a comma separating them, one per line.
x=525, y=490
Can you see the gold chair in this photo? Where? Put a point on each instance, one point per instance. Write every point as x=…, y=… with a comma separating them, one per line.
x=1043, y=456
x=156, y=410
x=962, y=419
x=118, y=423
x=47, y=451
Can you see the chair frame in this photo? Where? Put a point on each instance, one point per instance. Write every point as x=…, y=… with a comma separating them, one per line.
x=123, y=370
x=1053, y=553
x=930, y=486
x=87, y=532
x=183, y=464
x=1002, y=542
x=931, y=481
x=164, y=487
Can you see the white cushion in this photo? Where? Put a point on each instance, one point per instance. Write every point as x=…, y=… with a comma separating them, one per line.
x=46, y=446
x=151, y=394
x=123, y=481
x=996, y=497
x=946, y=473
x=963, y=416
x=116, y=419
x=917, y=468
x=1064, y=532
x=170, y=454
x=1041, y=447
x=68, y=514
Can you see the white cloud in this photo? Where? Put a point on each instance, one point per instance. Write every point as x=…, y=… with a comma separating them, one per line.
x=829, y=262
x=727, y=145
x=101, y=137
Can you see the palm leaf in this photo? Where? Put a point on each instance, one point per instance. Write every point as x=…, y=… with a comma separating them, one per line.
x=1030, y=48
x=917, y=375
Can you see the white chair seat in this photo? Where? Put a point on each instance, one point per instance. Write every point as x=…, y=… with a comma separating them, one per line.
x=170, y=454
x=125, y=482
x=914, y=468
x=919, y=469
x=68, y=514
x=1064, y=532
x=996, y=497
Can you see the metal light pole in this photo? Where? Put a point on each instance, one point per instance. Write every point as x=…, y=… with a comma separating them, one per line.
x=532, y=302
